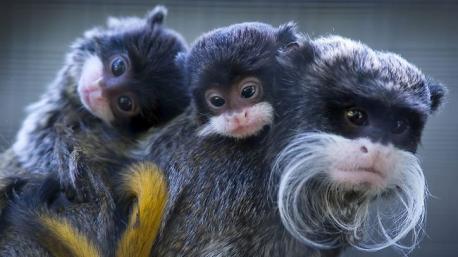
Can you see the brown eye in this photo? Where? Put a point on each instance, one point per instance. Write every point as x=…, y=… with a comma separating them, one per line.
x=399, y=126
x=118, y=66
x=357, y=117
x=217, y=101
x=248, y=91
x=125, y=103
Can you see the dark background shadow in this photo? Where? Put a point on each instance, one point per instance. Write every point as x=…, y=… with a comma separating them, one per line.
x=35, y=35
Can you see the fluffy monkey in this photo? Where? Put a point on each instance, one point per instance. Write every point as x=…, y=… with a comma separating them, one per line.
x=348, y=168
x=348, y=121
x=117, y=82
x=231, y=76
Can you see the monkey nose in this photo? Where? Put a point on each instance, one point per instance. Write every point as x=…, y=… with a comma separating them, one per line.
x=363, y=149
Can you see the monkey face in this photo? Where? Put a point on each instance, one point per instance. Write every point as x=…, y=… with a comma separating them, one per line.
x=352, y=123
x=239, y=111
x=231, y=76
x=107, y=92
x=103, y=92
x=127, y=75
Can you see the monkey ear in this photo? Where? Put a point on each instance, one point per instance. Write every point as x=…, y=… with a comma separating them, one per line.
x=299, y=51
x=437, y=93
x=287, y=33
x=291, y=46
x=156, y=16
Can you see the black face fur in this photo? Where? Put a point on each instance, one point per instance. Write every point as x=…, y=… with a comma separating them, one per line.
x=348, y=124
x=150, y=75
x=339, y=79
x=224, y=56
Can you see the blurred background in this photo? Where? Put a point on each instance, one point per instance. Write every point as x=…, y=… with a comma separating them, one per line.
x=35, y=35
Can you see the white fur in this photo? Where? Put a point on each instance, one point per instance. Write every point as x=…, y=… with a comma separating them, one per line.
x=347, y=48
x=379, y=219
x=334, y=48
x=257, y=117
x=91, y=75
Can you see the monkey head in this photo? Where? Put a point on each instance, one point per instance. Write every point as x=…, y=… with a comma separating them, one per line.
x=230, y=71
x=350, y=121
x=126, y=73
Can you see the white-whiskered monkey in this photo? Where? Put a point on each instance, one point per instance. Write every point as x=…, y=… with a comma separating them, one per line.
x=347, y=171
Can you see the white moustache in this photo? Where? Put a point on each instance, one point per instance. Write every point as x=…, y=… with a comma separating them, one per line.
x=379, y=216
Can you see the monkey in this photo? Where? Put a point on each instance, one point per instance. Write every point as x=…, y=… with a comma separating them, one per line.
x=144, y=182
x=118, y=81
x=354, y=171
x=81, y=125
x=348, y=120
x=230, y=79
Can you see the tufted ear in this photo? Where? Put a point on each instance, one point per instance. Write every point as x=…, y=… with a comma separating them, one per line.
x=286, y=34
x=299, y=51
x=437, y=92
x=156, y=16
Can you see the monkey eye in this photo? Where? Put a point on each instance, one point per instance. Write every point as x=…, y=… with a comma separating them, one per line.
x=357, y=116
x=248, y=91
x=399, y=126
x=216, y=101
x=118, y=66
x=125, y=103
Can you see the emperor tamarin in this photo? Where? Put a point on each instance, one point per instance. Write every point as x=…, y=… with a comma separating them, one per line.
x=118, y=82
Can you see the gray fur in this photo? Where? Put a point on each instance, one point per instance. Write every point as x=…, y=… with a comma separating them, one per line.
x=221, y=203
x=59, y=136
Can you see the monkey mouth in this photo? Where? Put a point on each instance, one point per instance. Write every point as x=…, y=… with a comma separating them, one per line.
x=359, y=176
x=245, y=130
x=94, y=101
x=91, y=97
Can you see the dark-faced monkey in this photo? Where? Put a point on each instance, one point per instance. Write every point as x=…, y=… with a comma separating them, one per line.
x=118, y=81
x=231, y=76
x=346, y=166
x=218, y=186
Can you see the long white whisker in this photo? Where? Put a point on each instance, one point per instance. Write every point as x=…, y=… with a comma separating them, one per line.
x=306, y=198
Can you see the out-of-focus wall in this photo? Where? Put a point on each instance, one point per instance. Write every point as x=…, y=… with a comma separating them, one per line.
x=35, y=35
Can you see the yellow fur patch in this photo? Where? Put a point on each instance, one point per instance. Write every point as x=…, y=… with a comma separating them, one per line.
x=73, y=240
x=145, y=182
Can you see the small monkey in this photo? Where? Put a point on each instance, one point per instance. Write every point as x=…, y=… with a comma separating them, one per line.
x=231, y=73
x=118, y=81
